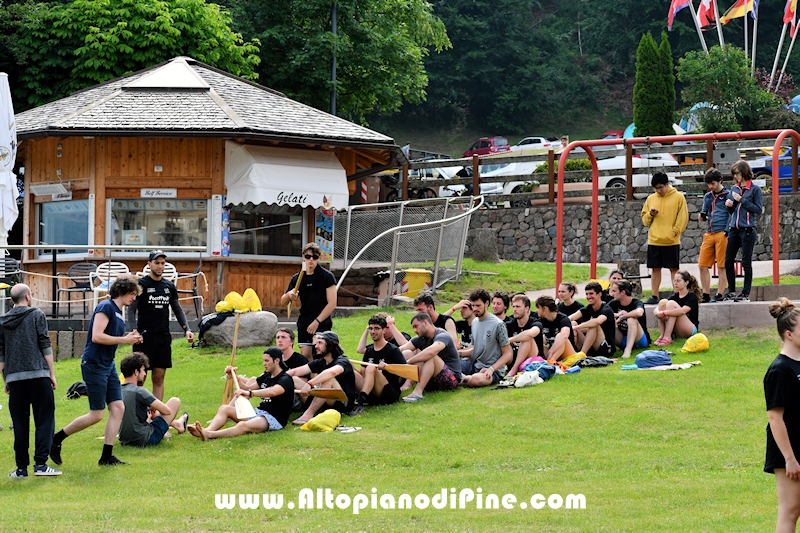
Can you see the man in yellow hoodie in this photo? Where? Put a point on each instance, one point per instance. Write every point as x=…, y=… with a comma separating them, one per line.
x=666, y=214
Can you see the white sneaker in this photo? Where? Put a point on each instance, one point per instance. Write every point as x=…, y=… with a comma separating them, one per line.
x=45, y=470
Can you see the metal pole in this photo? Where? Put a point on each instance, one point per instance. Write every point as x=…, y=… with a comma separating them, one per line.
x=347, y=237
x=333, y=65
x=439, y=248
x=395, y=245
x=463, y=245
x=55, y=283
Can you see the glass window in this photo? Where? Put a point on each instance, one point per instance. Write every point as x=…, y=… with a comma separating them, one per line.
x=267, y=230
x=64, y=223
x=159, y=222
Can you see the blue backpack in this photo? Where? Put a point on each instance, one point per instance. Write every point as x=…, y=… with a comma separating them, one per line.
x=651, y=358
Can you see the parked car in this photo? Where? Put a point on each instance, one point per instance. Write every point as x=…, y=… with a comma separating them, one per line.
x=612, y=134
x=536, y=144
x=488, y=145
x=762, y=169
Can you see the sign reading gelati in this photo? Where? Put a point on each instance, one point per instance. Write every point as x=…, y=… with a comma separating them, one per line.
x=159, y=193
x=292, y=198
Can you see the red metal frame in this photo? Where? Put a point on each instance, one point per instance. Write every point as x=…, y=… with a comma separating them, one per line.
x=587, y=145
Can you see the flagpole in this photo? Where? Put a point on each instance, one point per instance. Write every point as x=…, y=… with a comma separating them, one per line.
x=755, y=37
x=719, y=26
x=745, y=31
x=788, y=53
x=697, y=26
x=777, y=56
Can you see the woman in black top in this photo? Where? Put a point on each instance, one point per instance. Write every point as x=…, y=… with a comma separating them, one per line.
x=782, y=393
x=680, y=314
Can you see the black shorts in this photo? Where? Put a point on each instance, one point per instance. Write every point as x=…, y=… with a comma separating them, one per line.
x=605, y=349
x=388, y=395
x=158, y=349
x=663, y=256
x=304, y=337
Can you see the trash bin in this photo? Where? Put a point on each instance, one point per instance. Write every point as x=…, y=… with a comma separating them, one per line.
x=414, y=281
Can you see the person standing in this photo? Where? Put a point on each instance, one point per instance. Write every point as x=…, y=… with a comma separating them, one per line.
x=782, y=394
x=715, y=240
x=667, y=216
x=153, y=304
x=317, y=295
x=744, y=203
x=106, y=332
x=26, y=363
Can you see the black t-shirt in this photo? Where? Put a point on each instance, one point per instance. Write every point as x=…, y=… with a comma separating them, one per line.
x=515, y=329
x=782, y=389
x=394, y=342
x=279, y=406
x=635, y=304
x=551, y=328
x=347, y=379
x=295, y=360
x=606, y=297
x=449, y=354
x=609, y=327
x=441, y=321
x=313, y=297
x=391, y=355
x=694, y=306
x=571, y=308
x=464, y=329
x=153, y=306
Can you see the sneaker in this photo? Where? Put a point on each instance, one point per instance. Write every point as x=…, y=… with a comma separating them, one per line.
x=19, y=473
x=731, y=296
x=653, y=300
x=356, y=410
x=55, y=453
x=742, y=298
x=717, y=298
x=111, y=461
x=706, y=298
x=45, y=470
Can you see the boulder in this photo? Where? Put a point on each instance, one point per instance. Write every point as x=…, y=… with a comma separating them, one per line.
x=255, y=329
x=484, y=245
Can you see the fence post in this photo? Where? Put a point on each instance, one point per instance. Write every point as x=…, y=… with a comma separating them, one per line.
x=476, y=176
x=395, y=245
x=628, y=171
x=709, y=154
x=347, y=236
x=794, y=164
x=460, y=259
x=405, y=182
x=551, y=177
x=439, y=248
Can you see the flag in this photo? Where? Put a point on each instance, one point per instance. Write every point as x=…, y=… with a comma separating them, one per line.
x=754, y=9
x=788, y=11
x=737, y=10
x=705, y=13
x=674, y=7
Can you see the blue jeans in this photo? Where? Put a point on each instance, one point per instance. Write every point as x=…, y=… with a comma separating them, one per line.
x=744, y=238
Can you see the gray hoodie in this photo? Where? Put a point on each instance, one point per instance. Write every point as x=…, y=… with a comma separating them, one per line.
x=24, y=343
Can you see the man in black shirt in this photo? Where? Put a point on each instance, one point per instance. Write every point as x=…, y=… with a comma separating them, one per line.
x=275, y=389
x=423, y=303
x=153, y=304
x=377, y=387
x=463, y=326
x=557, y=331
x=317, y=296
x=594, y=324
x=284, y=340
x=500, y=303
x=630, y=320
x=524, y=332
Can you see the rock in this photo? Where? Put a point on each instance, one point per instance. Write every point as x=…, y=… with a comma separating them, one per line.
x=255, y=329
x=484, y=245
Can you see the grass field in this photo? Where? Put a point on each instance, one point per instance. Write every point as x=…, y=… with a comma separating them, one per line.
x=650, y=451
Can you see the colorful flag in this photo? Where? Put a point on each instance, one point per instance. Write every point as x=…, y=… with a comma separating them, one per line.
x=705, y=13
x=737, y=10
x=788, y=11
x=674, y=7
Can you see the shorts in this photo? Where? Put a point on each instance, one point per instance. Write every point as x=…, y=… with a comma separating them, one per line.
x=713, y=249
x=160, y=428
x=443, y=381
x=641, y=343
x=663, y=256
x=388, y=395
x=102, y=384
x=158, y=349
x=468, y=367
x=304, y=337
x=273, y=424
x=605, y=349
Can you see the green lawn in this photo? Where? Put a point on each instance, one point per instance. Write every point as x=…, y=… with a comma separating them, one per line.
x=650, y=451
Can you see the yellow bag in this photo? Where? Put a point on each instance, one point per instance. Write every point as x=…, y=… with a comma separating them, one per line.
x=230, y=303
x=323, y=422
x=696, y=343
x=604, y=283
x=251, y=301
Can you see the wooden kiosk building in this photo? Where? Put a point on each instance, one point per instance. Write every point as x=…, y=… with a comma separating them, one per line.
x=184, y=154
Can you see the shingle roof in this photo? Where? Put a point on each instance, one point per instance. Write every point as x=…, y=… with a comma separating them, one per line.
x=172, y=99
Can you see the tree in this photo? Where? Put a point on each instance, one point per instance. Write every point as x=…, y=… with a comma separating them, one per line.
x=668, y=73
x=650, y=91
x=72, y=45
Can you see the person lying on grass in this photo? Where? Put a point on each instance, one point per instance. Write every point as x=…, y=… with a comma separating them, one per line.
x=275, y=389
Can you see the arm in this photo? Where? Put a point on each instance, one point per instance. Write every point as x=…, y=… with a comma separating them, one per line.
x=269, y=392
x=330, y=294
x=397, y=334
x=450, y=327
x=299, y=371
x=460, y=305
x=427, y=353
x=99, y=336
x=647, y=218
x=161, y=407
x=290, y=295
x=592, y=323
x=526, y=335
x=466, y=353
x=326, y=375
x=781, y=435
x=755, y=203
x=175, y=304
x=49, y=359
x=504, y=359
x=682, y=217
x=131, y=320
x=362, y=343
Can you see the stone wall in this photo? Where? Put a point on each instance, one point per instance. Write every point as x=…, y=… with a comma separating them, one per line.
x=530, y=233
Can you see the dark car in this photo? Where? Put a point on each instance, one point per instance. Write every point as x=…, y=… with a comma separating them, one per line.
x=488, y=145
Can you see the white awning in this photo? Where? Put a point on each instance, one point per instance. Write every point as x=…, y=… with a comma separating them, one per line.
x=284, y=176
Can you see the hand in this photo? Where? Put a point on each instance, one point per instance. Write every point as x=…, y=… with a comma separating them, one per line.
x=488, y=370
x=190, y=337
x=53, y=382
x=382, y=365
x=134, y=337
x=240, y=392
x=293, y=296
x=306, y=388
x=230, y=368
x=736, y=196
x=793, y=469
x=312, y=328
x=729, y=203
x=389, y=320
x=653, y=212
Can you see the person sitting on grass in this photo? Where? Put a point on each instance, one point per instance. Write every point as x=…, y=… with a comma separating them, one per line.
x=333, y=371
x=525, y=332
x=614, y=275
x=491, y=351
x=558, y=337
x=500, y=304
x=423, y=303
x=566, y=298
x=433, y=350
x=284, y=340
x=275, y=389
x=594, y=324
x=463, y=326
x=135, y=430
x=680, y=314
x=631, y=324
x=377, y=387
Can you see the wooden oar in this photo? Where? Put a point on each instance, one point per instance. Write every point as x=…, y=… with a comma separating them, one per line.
x=227, y=394
x=328, y=394
x=404, y=371
x=244, y=409
x=296, y=288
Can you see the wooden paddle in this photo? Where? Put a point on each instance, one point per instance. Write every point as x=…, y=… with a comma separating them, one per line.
x=328, y=394
x=227, y=394
x=296, y=288
x=244, y=409
x=404, y=371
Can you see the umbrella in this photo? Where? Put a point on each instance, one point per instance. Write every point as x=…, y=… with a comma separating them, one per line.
x=8, y=155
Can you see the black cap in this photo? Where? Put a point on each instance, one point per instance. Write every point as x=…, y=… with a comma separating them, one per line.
x=328, y=336
x=155, y=254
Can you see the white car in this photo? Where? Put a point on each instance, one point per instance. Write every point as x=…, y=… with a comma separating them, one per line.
x=537, y=145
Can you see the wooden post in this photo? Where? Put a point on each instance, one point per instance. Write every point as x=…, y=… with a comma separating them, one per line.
x=476, y=176
x=551, y=177
x=709, y=154
x=794, y=165
x=405, y=182
x=628, y=171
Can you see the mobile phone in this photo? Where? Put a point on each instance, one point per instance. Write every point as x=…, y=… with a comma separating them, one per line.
x=704, y=216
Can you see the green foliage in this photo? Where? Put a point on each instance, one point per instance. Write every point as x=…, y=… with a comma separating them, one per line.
x=80, y=43
x=778, y=118
x=571, y=164
x=722, y=78
x=650, y=92
x=668, y=73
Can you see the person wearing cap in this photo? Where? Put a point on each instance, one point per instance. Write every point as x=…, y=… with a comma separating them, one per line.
x=317, y=295
x=333, y=371
x=153, y=304
x=274, y=388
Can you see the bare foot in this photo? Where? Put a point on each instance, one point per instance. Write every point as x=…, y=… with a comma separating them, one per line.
x=194, y=430
x=627, y=356
x=203, y=434
x=407, y=385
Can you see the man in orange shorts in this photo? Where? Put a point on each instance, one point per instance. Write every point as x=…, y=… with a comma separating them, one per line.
x=715, y=240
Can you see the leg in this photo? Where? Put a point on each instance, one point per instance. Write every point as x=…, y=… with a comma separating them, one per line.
x=224, y=413
x=19, y=404
x=360, y=379
x=788, y=502
x=561, y=348
x=44, y=417
x=705, y=279
x=429, y=368
x=683, y=327
x=308, y=352
x=378, y=381
x=723, y=280
x=669, y=323
x=157, y=377
x=478, y=379
x=254, y=425
x=526, y=349
x=655, y=282
x=734, y=243
x=115, y=411
x=368, y=381
x=174, y=405
x=316, y=404
x=82, y=422
x=590, y=339
x=634, y=333
x=748, y=243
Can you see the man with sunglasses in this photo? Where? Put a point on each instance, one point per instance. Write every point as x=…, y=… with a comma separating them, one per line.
x=317, y=295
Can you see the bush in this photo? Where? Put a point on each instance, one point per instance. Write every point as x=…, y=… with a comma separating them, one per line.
x=572, y=164
x=778, y=118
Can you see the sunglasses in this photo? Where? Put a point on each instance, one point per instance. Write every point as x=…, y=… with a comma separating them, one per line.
x=311, y=256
